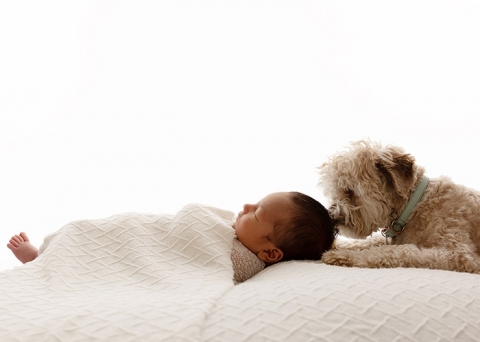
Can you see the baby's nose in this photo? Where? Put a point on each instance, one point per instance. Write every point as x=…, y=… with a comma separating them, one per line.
x=247, y=207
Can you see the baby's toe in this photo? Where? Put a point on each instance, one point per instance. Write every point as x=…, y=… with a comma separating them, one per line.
x=16, y=240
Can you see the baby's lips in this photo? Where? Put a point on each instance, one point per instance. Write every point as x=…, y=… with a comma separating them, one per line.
x=236, y=218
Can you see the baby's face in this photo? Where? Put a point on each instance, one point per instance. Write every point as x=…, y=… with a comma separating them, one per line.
x=255, y=224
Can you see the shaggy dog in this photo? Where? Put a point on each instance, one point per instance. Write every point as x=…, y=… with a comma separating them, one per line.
x=369, y=185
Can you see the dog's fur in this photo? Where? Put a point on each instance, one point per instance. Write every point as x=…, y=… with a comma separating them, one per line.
x=370, y=184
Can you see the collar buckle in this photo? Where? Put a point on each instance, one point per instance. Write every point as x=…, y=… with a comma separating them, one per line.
x=390, y=231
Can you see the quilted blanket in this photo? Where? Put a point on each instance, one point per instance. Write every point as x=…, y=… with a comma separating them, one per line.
x=137, y=277
x=129, y=277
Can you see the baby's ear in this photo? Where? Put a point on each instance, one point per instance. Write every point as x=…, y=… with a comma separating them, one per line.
x=271, y=256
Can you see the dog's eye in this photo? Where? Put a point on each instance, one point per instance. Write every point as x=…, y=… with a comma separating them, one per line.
x=348, y=193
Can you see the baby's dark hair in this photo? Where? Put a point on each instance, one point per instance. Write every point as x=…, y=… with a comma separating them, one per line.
x=309, y=233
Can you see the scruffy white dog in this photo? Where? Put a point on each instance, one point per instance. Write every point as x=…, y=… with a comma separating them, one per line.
x=428, y=223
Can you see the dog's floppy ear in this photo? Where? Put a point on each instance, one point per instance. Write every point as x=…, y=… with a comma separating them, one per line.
x=398, y=171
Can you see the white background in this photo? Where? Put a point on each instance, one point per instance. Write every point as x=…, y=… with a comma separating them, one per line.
x=114, y=106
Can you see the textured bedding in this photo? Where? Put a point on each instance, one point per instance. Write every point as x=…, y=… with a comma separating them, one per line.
x=136, y=277
x=308, y=301
x=128, y=277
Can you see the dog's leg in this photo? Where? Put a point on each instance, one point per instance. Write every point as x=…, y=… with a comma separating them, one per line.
x=376, y=239
x=389, y=256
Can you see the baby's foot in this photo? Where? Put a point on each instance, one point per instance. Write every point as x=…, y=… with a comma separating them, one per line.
x=22, y=248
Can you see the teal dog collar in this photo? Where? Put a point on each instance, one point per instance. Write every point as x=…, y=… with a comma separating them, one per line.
x=397, y=227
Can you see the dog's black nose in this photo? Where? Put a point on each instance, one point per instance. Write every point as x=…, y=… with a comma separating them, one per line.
x=336, y=215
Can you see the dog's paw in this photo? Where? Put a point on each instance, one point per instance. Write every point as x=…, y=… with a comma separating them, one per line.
x=338, y=258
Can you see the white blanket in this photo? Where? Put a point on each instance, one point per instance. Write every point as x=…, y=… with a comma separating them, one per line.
x=140, y=277
x=128, y=277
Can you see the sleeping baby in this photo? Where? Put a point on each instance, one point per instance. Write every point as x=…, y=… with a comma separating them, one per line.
x=282, y=226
